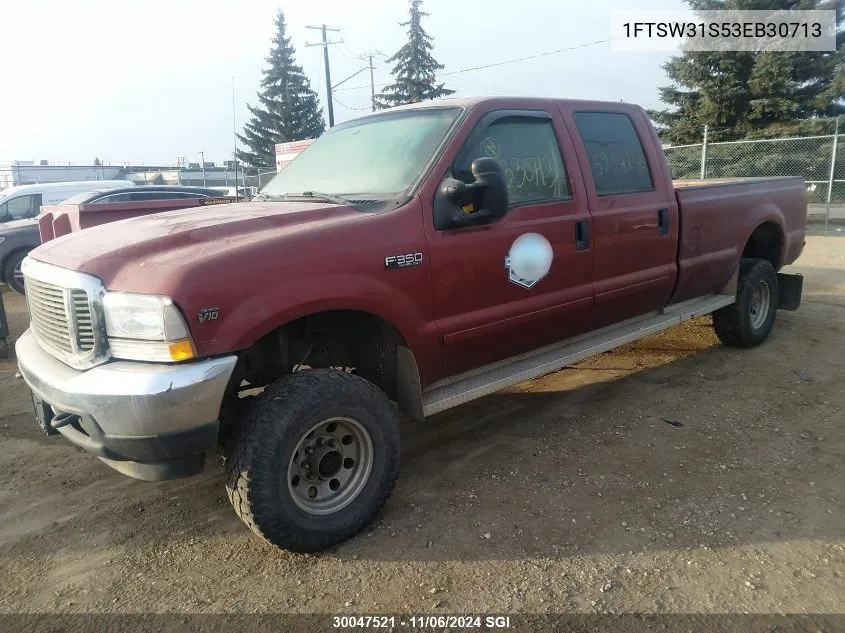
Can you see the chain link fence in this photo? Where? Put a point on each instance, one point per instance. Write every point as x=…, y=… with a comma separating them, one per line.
x=254, y=177
x=819, y=160
x=264, y=177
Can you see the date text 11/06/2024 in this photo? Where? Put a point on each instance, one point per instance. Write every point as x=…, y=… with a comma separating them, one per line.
x=422, y=621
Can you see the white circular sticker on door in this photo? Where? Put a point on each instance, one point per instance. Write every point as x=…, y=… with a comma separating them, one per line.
x=529, y=259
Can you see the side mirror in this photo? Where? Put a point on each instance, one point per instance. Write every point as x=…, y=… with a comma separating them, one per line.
x=483, y=200
x=490, y=183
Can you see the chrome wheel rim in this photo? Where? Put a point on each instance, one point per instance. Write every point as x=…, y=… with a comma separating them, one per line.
x=17, y=274
x=760, y=301
x=330, y=465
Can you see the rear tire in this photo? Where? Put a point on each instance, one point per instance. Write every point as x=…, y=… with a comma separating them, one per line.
x=315, y=460
x=748, y=322
x=12, y=271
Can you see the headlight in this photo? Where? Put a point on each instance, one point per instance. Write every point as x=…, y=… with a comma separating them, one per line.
x=146, y=327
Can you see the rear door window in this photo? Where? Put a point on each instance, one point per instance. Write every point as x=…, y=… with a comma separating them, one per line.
x=617, y=159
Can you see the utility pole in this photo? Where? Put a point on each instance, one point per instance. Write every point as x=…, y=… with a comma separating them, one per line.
x=235, y=137
x=180, y=162
x=202, y=158
x=372, y=85
x=832, y=173
x=358, y=72
x=325, y=44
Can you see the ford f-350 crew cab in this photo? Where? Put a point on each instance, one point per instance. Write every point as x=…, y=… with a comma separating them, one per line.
x=426, y=255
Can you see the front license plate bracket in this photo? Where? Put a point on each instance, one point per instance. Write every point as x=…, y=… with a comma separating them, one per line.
x=43, y=415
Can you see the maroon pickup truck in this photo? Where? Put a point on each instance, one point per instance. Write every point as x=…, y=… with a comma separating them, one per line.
x=425, y=256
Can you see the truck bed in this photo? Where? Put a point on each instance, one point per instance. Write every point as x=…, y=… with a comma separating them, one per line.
x=717, y=218
x=709, y=182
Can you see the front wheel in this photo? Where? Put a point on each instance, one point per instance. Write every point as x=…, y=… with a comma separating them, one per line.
x=315, y=461
x=748, y=322
x=12, y=271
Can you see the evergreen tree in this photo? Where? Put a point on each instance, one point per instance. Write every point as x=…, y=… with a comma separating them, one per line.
x=756, y=94
x=287, y=110
x=415, y=69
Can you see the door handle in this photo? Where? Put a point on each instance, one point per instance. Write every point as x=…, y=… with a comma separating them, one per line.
x=663, y=221
x=582, y=235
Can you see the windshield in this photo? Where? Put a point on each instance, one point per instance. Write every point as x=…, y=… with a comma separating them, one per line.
x=377, y=157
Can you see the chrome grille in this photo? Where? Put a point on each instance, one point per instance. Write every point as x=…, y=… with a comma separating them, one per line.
x=82, y=318
x=49, y=315
x=65, y=308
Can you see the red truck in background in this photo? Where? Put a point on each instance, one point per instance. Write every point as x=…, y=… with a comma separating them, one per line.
x=426, y=255
x=93, y=209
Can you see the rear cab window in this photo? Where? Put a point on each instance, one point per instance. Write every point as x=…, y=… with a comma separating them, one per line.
x=617, y=159
x=526, y=147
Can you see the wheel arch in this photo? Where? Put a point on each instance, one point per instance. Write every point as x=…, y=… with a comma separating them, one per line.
x=368, y=342
x=766, y=242
x=3, y=260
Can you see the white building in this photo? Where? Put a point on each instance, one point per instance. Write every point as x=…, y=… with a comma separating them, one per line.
x=28, y=173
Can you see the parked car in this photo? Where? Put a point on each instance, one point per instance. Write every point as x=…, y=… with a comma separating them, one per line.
x=19, y=207
x=22, y=202
x=87, y=210
x=18, y=237
x=428, y=255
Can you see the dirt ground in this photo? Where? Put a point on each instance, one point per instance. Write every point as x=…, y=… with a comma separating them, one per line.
x=673, y=475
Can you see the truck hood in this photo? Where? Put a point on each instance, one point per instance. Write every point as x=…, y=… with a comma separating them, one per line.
x=175, y=243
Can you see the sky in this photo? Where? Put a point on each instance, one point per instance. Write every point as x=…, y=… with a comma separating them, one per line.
x=150, y=82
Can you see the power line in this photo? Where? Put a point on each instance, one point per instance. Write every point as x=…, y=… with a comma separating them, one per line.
x=349, y=53
x=508, y=61
x=348, y=107
x=489, y=87
x=523, y=59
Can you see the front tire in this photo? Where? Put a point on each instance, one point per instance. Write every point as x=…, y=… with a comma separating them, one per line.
x=315, y=461
x=748, y=322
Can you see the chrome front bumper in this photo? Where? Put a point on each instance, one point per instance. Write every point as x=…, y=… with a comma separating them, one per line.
x=131, y=411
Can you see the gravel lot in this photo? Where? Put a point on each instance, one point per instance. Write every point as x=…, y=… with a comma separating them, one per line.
x=570, y=493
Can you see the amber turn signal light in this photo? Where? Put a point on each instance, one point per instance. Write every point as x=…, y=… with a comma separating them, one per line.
x=181, y=350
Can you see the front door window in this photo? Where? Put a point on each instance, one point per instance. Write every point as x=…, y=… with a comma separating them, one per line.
x=21, y=208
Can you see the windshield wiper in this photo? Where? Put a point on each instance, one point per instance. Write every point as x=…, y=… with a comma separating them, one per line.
x=266, y=196
x=328, y=197
x=308, y=195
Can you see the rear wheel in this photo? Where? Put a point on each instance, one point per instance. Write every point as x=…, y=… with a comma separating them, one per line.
x=748, y=322
x=316, y=460
x=12, y=271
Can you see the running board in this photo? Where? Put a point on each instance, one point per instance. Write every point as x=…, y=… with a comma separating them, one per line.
x=477, y=383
